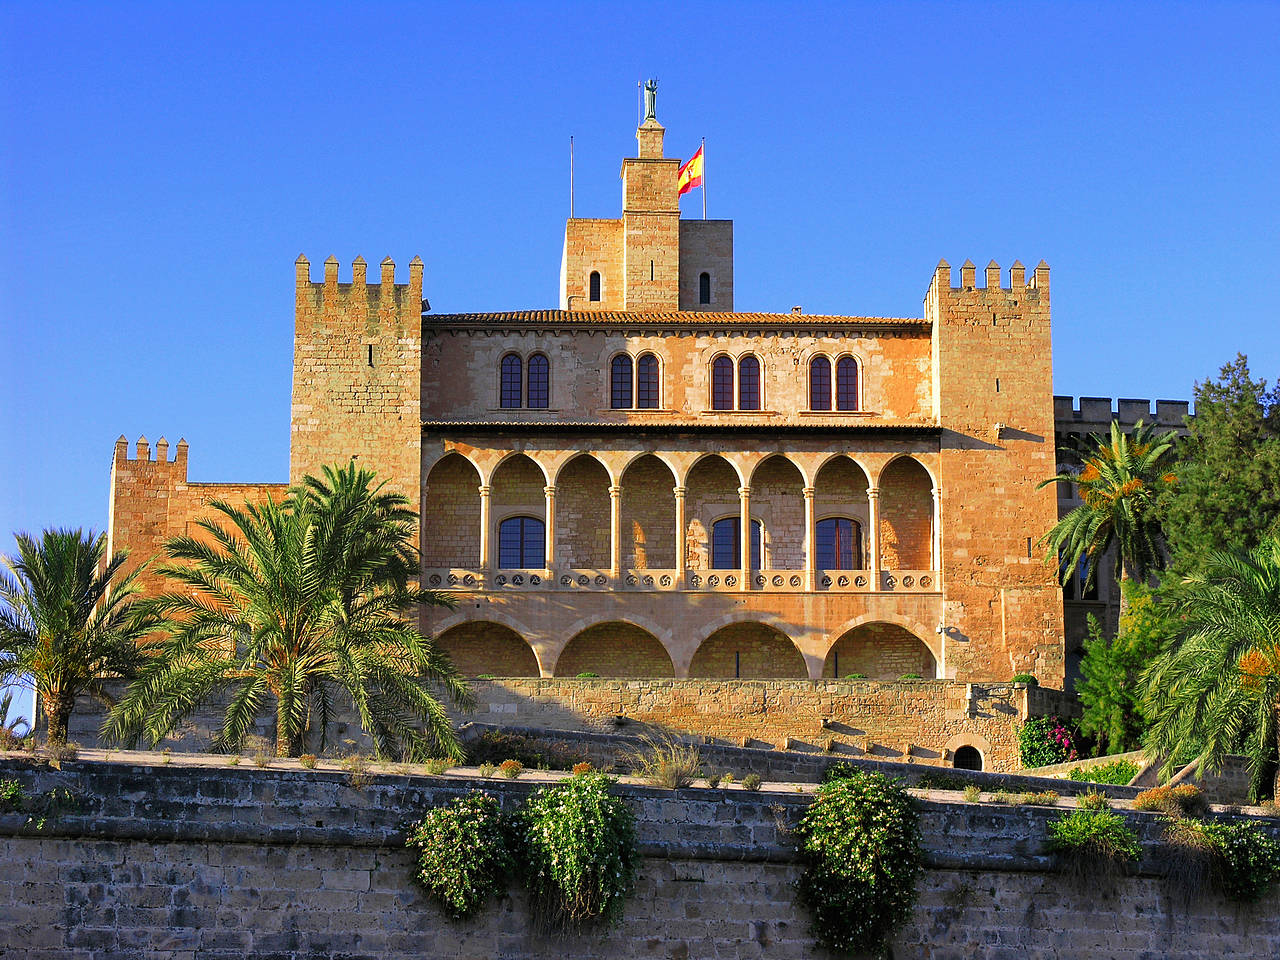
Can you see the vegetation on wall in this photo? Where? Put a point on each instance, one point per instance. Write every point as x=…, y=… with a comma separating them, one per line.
x=1044, y=741
x=1093, y=846
x=1117, y=772
x=860, y=841
x=464, y=855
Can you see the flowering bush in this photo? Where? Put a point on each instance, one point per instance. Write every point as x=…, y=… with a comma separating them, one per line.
x=463, y=854
x=1249, y=859
x=861, y=843
x=1184, y=800
x=1045, y=741
x=580, y=852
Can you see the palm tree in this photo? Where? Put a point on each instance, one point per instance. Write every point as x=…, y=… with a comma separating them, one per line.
x=1217, y=690
x=289, y=606
x=1119, y=481
x=68, y=621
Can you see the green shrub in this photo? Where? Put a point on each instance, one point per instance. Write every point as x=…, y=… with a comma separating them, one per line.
x=1093, y=845
x=940, y=781
x=1045, y=741
x=751, y=781
x=488, y=769
x=1118, y=772
x=861, y=844
x=463, y=853
x=308, y=760
x=494, y=746
x=666, y=763
x=588, y=675
x=1250, y=859
x=1093, y=800
x=1045, y=798
x=972, y=793
x=580, y=852
x=855, y=676
x=1028, y=678
x=713, y=780
x=11, y=796
x=435, y=766
x=911, y=676
x=838, y=770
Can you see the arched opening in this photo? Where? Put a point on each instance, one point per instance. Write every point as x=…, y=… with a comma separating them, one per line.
x=777, y=498
x=538, y=392
x=615, y=649
x=451, y=514
x=847, y=384
x=726, y=553
x=819, y=384
x=839, y=544
x=749, y=383
x=751, y=650
x=522, y=543
x=704, y=288
x=593, y=285
x=582, y=515
x=647, y=387
x=648, y=515
x=880, y=651
x=967, y=758
x=512, y=381
x=620, y=396
x=711, y=493
x=517, y=493
x=906, y=516
x=482, y=648
x=722, y=383
x=840, y=493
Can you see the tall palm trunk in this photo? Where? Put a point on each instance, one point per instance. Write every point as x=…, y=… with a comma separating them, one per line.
x=57, y=711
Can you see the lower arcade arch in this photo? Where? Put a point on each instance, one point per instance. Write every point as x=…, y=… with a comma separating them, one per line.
x=483, y=648
x=880, y=651
x=749, y=651
x=615, y=649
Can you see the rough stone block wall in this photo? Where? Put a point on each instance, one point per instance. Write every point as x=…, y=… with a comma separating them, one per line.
x=488, y=649
x=582, y=515
x=592, y=245
x=906, y=517
x=747, y=650
x=711, y=495
x=879, y=651
x=451, y=515
x=777, y=499
x=648, y=516
x=171, y=863
x=706, y=246
x=615, y=650
x=517, y=490
x=840, y=490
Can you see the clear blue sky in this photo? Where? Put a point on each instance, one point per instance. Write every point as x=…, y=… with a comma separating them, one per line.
x=161, y=166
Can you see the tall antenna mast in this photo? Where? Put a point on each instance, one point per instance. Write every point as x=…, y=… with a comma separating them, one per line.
x=571, y=178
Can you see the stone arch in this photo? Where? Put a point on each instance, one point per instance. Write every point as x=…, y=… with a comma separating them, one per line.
x=972, y=741
x=906, y=515
x=615, y=648
x=929, y=637
x=516, y=490
x=879, y=651
x=485, y=647
x=777, y=500
x=451, y=514
x=711, y=491
x=510, y=456
x=582, y=514
x=840, y=490
x=897, y=457
x=648, y=514
x=748, y=649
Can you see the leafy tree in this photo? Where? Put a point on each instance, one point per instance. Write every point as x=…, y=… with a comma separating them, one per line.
x=1227, y=496
x=68, y=621
x=1108, y=687
x=1119, y=482
x=1217, y=690
x=289, y=605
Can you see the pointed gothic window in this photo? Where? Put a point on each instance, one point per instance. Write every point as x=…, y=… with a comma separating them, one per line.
x=722, y=383
x=620, y=379
x=539, y=387
x=820, y=384
x=647, y=382
x=511, y=380
x=847, y=384
x=748, y=383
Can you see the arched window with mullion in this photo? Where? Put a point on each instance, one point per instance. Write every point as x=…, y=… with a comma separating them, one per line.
x=538, y=392
x=512, y=381
x=620, y=383
x=522, y=543
x=647, y=382
x=820, y=384
x=839, y=544
x=847, y=384
x=749, y=383
x=725, y=540
x=722, y=383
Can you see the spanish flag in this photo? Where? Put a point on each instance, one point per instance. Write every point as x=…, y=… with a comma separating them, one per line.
x=690, y=174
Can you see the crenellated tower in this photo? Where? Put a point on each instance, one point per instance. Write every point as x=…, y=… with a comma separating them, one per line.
x=357, y=373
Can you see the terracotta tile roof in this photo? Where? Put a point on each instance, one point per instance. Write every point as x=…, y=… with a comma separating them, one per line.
x=686, y=424
x=684, y=318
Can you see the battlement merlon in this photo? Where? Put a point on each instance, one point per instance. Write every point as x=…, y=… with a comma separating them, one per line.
x=1094, y=414
x=142, y=454
x=1037, y=287
x=387, y=303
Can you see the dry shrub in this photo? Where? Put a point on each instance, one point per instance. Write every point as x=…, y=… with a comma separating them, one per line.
x=1184, y=800
x=666, y=763
x=1190, y=861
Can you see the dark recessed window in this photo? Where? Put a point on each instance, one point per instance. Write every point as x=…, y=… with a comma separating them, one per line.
x=820, y=384
x=847, y=384
x=725, y=554
x=539, y=390
x=722, y=384
x=748, y=383
x=594, y=284
x=839, y=544
x=511, y=380
x=704, y=288
x=968, y=758
x=620, y=379
x=521, y=543
x=647, y=382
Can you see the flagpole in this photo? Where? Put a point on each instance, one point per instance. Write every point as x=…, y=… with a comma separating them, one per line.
x=703, y=148
x=571, y=177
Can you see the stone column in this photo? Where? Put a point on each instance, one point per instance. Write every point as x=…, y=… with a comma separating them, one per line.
x=873, y=535
x=744, y=536
x=550, y=560
x=615, y=531
x=810, y=542
x=681, y=526
x=485, y=558
x=937, y=529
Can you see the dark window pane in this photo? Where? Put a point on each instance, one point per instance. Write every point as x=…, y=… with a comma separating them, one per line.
x=847, y=384
x=521, y=543
x=647, y=382
x=757, y=535
x=722, y=384
x=595, y=286
x=620, y=398
x=539, y=392
x=820, y=384
x=704, y=288
x=725, y=554
x=749, y=383
x=511, y=380
x=839, y=544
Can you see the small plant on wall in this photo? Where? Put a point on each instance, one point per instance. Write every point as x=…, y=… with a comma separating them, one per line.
x=1045, y=741
x=861, y=844
x=463, y=853
x=1093, y=847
